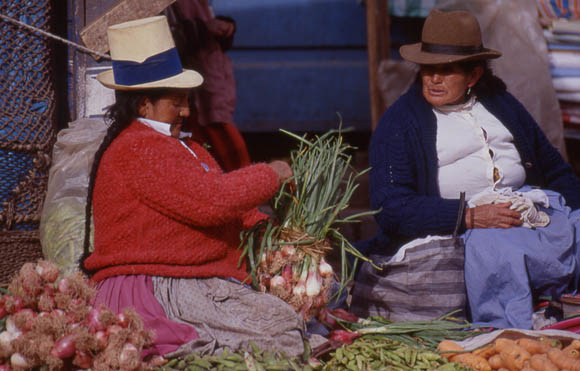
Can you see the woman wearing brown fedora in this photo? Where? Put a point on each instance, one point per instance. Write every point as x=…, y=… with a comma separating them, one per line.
x=459, y=130
x=166, y=217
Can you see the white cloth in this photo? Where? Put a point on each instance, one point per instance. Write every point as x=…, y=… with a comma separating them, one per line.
x=523, y=202
x=162, y=127
x=465, y=135
x=564, y=59
x=400, y=255
x=569, y=96
x=566, y=84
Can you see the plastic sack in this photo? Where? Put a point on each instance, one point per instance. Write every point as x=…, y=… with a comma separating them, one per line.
x=427, y=283
x=62, y=222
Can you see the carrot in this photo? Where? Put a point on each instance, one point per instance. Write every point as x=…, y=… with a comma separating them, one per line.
x=541, y=362
x=513, y=355
x=551, y=342
x=486, y=351
x=572, y=353
x=573, y=349
x=575, y=344
x=561, y=360
x=495, y=362
x=502, y=342
x=449, y=345
x=471, y=360
x=533, y=346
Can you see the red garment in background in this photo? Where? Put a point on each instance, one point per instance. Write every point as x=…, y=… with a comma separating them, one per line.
x=225, y=142
x=213, y=103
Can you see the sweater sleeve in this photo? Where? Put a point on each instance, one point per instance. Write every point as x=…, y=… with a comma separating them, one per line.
x=252, y=217
x=400, y=182
x=165, y=176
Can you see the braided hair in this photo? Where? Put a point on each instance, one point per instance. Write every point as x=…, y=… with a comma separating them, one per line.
x=119, y=116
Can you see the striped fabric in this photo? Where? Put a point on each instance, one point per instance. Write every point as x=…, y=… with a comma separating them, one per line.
x=428, y=283
x=553, y=9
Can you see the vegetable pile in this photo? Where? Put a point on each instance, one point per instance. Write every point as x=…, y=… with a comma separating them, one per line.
x=49, y=321
x=374, y=343
x=427, y=333
x=377, y=343
x=255, y=359
x=286, y=254
x=380, y=354
x=524, y=353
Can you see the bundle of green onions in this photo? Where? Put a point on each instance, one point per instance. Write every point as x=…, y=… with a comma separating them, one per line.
x=286, y=253
x=428, y=333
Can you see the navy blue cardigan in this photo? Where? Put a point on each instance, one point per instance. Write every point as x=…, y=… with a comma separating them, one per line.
x=403, y=159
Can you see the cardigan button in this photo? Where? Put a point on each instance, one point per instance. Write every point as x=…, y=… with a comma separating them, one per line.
x=528, y=165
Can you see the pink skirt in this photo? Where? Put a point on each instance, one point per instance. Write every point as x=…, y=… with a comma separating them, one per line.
x=136, y=291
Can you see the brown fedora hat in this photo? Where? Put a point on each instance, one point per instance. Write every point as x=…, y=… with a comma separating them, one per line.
x=448, y=37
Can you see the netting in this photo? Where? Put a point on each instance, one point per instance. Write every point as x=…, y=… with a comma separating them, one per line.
x=27, y=114
x=27, y=104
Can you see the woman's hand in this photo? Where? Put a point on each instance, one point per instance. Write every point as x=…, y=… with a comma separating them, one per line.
x=282, y=169
x=221, y=28
x=492, y=216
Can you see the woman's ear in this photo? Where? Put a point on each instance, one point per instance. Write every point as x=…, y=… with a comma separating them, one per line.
x=474, y=76
x=145, y=107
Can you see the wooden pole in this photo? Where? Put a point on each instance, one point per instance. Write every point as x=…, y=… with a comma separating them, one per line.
x=384, y=30
x=377, y=49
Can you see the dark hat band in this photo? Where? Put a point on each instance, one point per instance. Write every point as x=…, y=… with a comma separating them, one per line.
x=451, y=49
x=157, y=67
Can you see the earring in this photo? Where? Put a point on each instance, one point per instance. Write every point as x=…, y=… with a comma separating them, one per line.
x=468, y=91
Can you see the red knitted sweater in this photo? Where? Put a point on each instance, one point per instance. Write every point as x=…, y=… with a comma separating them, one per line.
x=157, y=211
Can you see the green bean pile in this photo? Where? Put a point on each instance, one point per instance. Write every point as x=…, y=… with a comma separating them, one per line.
x=381, y=353
x=256, y=360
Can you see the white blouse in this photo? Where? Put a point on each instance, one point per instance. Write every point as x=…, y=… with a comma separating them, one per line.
x=475, y=151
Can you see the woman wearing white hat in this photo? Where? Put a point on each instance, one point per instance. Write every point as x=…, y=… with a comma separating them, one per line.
x=167, y=219
x=459, y=130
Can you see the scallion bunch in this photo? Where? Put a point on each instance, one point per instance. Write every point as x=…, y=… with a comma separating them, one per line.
x=286, y=253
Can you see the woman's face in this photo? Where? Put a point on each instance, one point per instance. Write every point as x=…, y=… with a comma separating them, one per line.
x=171, y=109
x=447, y=83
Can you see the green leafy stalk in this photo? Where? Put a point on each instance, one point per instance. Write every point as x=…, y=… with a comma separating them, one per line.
x=311, y=201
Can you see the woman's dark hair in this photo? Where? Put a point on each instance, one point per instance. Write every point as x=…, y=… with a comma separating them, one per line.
x=488, y=84
x=118, y=116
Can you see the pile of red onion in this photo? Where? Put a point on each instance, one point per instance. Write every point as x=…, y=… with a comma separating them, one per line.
x=298, y=274
x=50, y=322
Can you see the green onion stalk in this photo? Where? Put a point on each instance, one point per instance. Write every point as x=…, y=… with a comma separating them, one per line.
x=286, y=253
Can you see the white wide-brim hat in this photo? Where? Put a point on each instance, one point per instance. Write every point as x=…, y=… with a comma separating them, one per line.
x=144, y=56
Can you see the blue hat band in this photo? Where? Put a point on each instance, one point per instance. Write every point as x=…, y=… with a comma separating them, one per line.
x=157, y=67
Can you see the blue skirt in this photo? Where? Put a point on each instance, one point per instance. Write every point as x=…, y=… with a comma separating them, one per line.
x=506, y=268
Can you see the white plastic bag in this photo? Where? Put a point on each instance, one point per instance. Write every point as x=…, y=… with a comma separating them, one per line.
x=62, y=223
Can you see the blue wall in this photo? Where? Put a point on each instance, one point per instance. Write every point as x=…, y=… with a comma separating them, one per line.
x=299, y=62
